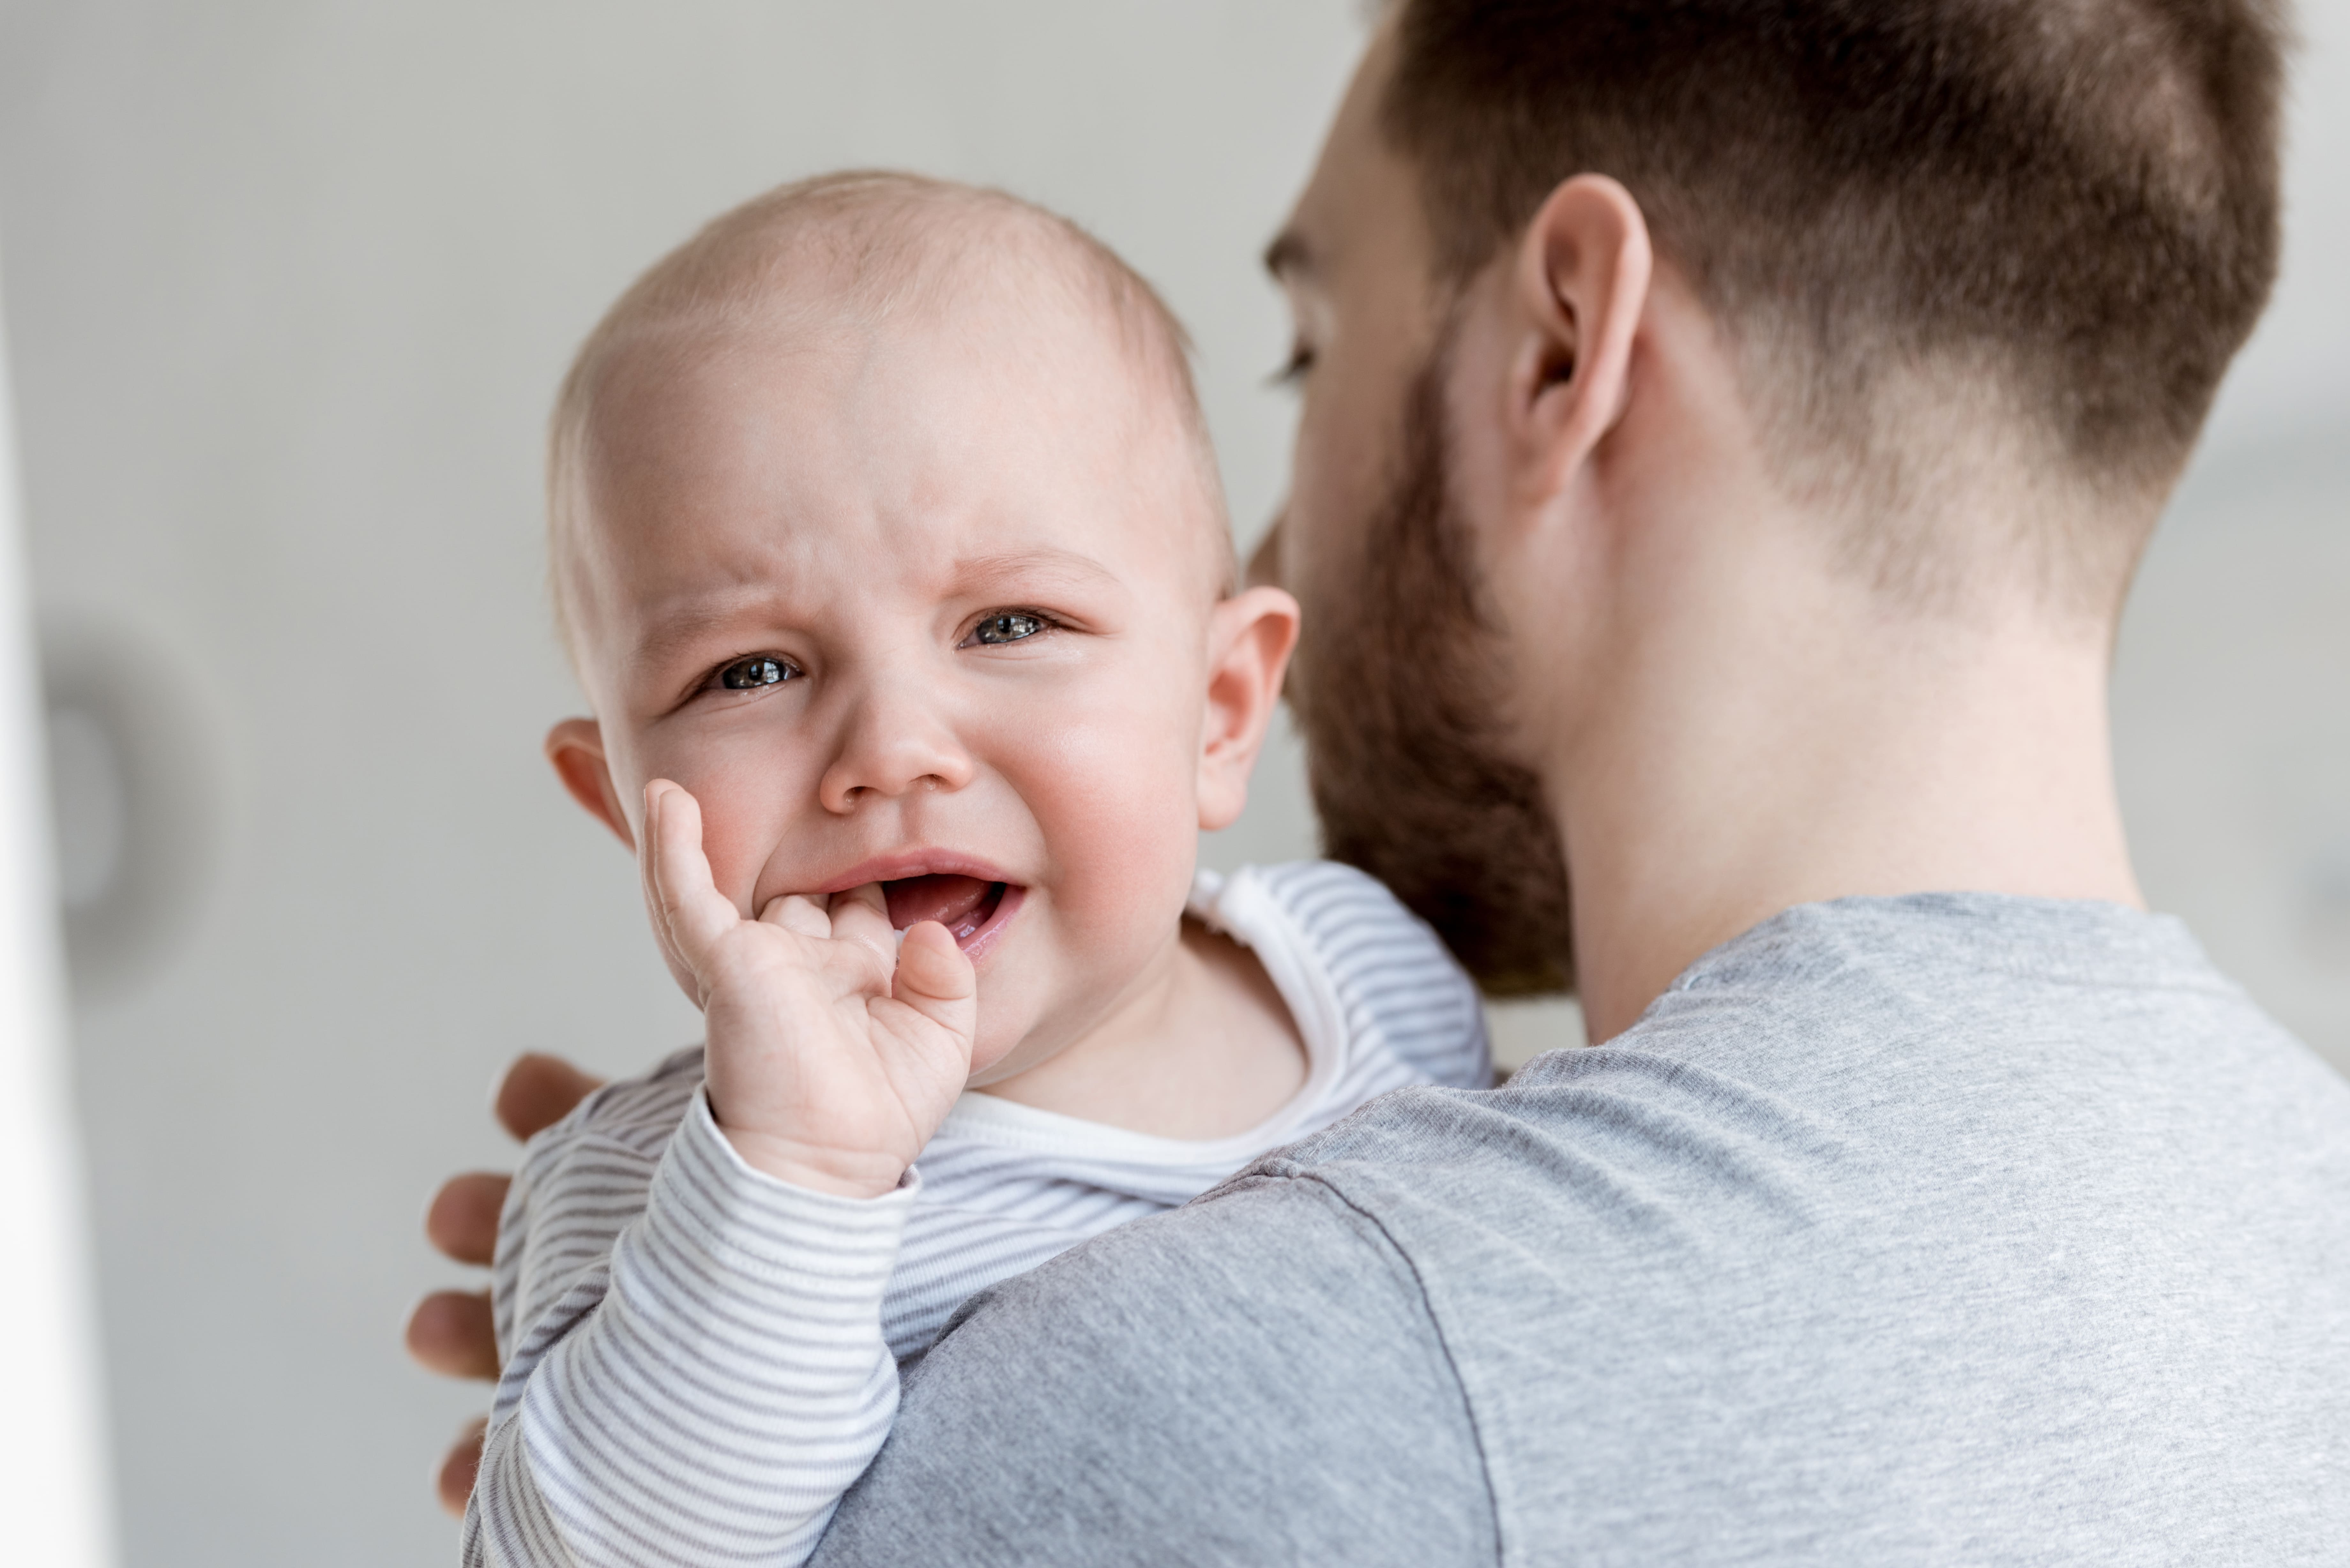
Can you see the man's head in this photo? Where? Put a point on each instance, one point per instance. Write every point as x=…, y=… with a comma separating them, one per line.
x=883, y=523
x=1958, y=260
x=2060, y=214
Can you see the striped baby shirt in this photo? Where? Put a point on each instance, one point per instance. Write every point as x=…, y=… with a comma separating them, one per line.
x=700, y=1360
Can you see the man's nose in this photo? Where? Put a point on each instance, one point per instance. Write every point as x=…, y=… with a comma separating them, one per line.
x=1264, y=561
x=894, y=743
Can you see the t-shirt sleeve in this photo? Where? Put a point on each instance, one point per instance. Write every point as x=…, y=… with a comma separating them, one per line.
x=1253, y=1378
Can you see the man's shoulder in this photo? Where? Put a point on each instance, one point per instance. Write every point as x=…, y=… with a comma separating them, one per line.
x=1853, y=1201
x=1253, y=1376
x=1841, y=1058
x=1827, y=1257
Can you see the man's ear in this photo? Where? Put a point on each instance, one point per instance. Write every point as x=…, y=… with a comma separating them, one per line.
x=575, y=747
x=1250, y=637
x=1580, y=279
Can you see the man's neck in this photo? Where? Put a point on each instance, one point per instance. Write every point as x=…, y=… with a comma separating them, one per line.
x=1784, y=737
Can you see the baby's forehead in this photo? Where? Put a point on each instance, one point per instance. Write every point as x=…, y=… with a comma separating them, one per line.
x=844, y=557
x=835, y=470
x=1043, y=339
x=960, y=409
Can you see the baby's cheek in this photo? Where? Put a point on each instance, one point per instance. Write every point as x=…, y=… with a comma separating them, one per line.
x=735, y=848
x=1106, y=783
x=740, y=818
x=1114, y=797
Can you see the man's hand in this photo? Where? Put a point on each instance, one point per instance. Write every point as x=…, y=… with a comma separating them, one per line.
x=450, y=1331
x=833, y=1051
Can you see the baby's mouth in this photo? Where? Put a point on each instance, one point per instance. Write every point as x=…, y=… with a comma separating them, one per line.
x=964, y=905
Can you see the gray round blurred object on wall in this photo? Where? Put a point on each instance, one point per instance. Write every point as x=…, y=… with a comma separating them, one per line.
x=132, y=798
x=2231, y=724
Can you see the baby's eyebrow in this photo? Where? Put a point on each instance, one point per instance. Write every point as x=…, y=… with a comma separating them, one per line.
x=1025, y=567
x=1042, y=567
x=685, y=628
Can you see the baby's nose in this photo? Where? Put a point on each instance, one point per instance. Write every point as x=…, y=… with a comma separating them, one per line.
x=891, y=749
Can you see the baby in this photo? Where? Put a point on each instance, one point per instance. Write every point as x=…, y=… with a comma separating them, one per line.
x=889, y=549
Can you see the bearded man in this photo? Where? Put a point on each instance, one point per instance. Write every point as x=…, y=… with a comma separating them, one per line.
x=1729, y=429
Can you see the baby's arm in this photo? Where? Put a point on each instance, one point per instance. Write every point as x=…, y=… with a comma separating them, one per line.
x=581, y=1182
x=709, y=1392
x=712, y=1391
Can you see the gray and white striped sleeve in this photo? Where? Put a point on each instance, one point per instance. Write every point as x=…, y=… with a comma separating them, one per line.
x=581, y=1182
x=710, y=1393
x=1404, y=995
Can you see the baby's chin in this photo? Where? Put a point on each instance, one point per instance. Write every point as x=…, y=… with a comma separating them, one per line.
x=1048, y=974
x=1023, y=1019
x=1002, y=1053
x=980, y=916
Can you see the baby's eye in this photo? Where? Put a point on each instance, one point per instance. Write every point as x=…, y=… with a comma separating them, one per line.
x=759, y=669
x=1010, y=626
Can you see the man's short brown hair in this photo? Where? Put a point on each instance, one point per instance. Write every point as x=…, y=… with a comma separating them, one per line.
x=2078, y=196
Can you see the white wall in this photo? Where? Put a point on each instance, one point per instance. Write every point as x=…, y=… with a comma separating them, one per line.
x=53, y=1497
x=290, y=283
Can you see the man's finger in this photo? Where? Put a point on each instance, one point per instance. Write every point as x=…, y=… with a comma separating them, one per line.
x=462, y=1221
x=453, y=1481
x=538, y=1092
x=450, y=1332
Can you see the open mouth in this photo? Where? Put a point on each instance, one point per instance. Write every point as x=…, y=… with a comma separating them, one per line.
x=972, y=910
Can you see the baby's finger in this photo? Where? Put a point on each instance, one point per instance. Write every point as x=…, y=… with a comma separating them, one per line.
x=691, y=911
x=936, y=980
x=802, y=914
x=861, y=916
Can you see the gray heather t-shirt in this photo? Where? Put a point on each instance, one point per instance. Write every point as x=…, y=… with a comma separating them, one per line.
x=1946, y=1228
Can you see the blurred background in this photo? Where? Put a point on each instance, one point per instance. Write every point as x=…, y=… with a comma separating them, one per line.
x=288, y=284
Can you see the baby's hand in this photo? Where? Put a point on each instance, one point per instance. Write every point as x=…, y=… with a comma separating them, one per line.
x=822, y=1072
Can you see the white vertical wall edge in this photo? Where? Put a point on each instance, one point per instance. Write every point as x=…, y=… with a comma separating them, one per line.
x=54, y=1493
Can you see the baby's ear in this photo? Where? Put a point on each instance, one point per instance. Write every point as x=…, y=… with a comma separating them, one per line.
x=575, y=747
x=1250, y=637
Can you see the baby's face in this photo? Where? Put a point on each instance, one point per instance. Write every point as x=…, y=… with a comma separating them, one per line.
x=931, y=606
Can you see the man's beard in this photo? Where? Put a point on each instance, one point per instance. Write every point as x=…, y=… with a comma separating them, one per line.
x=1399, y=690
